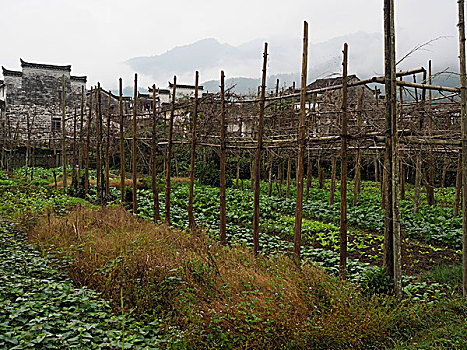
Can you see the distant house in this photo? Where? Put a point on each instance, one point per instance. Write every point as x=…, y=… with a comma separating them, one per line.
x=37, y=91
x=162, y=95
x=337, y=81
x=2, y=96
x=182, y=91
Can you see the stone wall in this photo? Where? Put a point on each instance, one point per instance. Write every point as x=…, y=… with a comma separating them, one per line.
x=38, y=92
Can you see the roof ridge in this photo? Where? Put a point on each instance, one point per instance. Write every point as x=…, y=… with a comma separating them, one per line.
x=45, y=66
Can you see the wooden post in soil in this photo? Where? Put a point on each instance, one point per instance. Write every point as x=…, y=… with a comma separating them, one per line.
x=392, y=241
x=333, y=179
x=169, y=154
x=458, y=185
x=343, y=204
x=122, y=144
x=100, y=152
x=64, y=133
x=133, y=145
x=74, y=182
x=418, y=181
x=81, y=136
x=88, y=144
x=80, y=142
x=402, y=167
x=358, y=157
x=308, y=174
x=107, y=151
x=270, y=174
x=309, y=171
x=463, y=106
x=223, y=219
x=280, y=171
x=28, y=143
x=191, y=216
x=301, y=149
x=259, y=148
x=98, y=141
x=155, y=192
x=289, y=175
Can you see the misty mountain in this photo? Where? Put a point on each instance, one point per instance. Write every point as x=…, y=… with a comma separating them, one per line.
x=242, y=63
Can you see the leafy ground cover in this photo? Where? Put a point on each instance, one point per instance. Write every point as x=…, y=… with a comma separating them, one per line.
x=163, y=277
x=41, y=308
x=221, y=297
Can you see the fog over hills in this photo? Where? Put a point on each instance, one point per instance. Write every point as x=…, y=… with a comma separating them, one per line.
x=242, y=63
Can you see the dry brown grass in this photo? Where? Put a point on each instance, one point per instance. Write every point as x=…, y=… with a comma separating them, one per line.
x=222, y=296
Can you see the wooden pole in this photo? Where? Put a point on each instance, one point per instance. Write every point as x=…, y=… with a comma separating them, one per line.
x=133, y=146
x=289, y=175
x=259, y=148
x=343, y=206
x=463, y=106
x=100, y=146
x=301, y=150
x=223, y=219
x=98, y=141
x=169, y=154
x=81, y=136
x=357, y=177
x=392, y=233
x=333, y=179
x=122, y=144
x=458, y=185
x=74, y=155
x=155, y=192
x=88, y=143
x=191, y=216
x=308, y=175
x=107, y=151
x=64, y=133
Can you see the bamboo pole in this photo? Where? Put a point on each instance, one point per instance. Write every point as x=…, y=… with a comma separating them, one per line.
x=133, y=150
x=100, y=146
x=155, y=191
x=107, y=151
x=64, y=133
x=223, y=219
x=289, y=175
x=191, y=216
x=301, y=150
x=28, y=145
x=258, y=154
x=81, y=136
x=74, y=155
x=308, y=175
x=463, y=106
x=392, y=210
x=343, y=206
x=122, y=144
x=169, y=154
x=88, y=144
x=333, y=180
x=457, y=195
x=98, y=141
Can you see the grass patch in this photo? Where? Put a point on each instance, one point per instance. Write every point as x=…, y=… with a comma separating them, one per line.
x=220, y=296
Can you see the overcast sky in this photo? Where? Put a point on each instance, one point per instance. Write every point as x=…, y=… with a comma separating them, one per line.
x=97, y=36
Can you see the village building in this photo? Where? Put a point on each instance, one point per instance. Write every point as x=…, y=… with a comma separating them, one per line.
x=36, y=94
x=185, y=91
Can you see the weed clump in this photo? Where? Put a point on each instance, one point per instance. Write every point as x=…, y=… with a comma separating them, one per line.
x=222, y=297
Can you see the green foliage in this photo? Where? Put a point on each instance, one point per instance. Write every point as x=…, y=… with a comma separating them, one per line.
x=377, y=281
x=41, y=308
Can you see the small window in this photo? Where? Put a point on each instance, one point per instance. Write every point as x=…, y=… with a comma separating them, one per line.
x=56, y=124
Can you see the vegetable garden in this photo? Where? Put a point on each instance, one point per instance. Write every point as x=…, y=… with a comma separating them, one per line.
x=224, y=221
